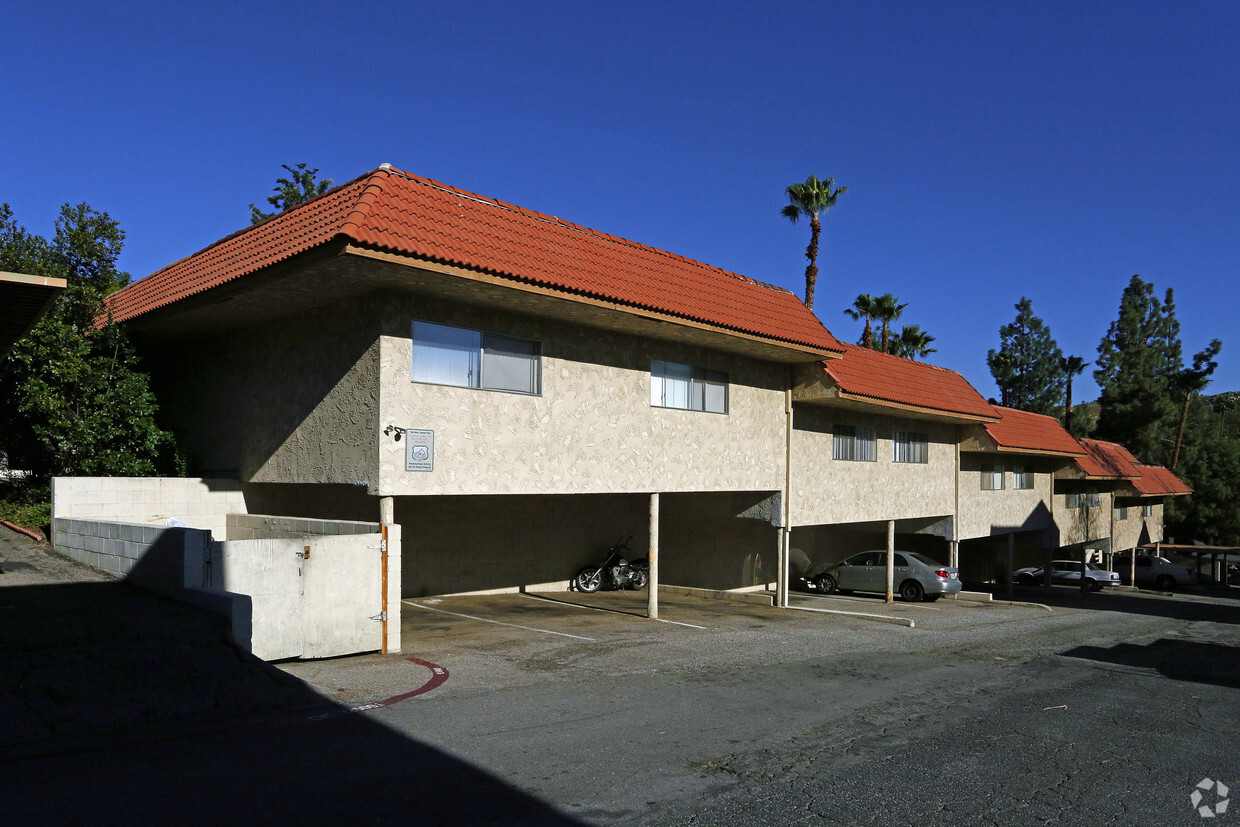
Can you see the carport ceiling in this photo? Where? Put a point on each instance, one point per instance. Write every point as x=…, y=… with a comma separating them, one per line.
x=23, y=299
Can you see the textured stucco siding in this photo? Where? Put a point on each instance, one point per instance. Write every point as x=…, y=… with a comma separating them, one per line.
x=1083, y=525
x=985, y=512
x=591, y=430
x=826, y=490
x=1137, y=528
x=292, y=401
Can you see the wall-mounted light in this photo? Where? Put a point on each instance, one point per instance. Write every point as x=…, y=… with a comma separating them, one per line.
x=389, y=430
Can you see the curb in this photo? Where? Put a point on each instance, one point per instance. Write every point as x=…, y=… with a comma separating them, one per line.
x=896, y=621
x=38, y=538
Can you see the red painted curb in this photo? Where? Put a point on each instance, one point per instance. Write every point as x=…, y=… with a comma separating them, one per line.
x=438, y=675
x=39, y=538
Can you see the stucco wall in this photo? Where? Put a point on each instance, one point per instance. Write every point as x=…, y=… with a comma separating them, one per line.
x=984, y=512
x=1137, y=528
x=826, y=490
x=293, y=400
x=591, y=430
x=1083, y=525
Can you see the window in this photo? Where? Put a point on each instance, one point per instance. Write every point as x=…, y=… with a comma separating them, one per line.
x=909, y=446
x=1074, y=500
x=458, y=356
x=992, y=477
x=1093, y=499
x=1121, y=513
x=688, y=388
x=854, y=443
x=1148, y=511
x=1022, y=477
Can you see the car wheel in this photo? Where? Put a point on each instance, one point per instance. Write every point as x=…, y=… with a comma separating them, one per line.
x=1094, y=585
x=1164, y=582
x=825, y=583
x=1025, y=579
x=930, y=598
x=911, y=591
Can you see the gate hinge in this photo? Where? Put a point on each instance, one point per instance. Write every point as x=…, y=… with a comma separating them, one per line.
x=381, y=617
x=381, y=547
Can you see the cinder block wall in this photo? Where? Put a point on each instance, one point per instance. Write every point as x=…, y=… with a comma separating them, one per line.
x=201, y=503
x=151, y=556
x=269, y=527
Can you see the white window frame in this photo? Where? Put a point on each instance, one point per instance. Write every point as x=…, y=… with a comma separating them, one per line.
x=1072, y=500
x=910, y=446
x=854, y=443
x=1093, y=499
x=992, y=477
x=474, y=345
x=688, y=387
x=1148, y=510
x=1121, y=512
x=1022, y=478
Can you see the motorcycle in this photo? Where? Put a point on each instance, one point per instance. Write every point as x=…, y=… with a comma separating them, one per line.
x=617, y=571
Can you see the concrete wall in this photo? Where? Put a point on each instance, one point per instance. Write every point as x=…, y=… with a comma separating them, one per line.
x=985, y=512
x=825, y=490
x=119, y=547
x=202, y=503
x=268, y=527
x=1137, y=529
x=704, y=544
x=295, y=400
x=591, y=430
x=1083, y=525
x=812, y=547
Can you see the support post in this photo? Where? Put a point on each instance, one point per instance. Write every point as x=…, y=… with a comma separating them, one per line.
x=390, y=536
x=1084, y=569
x=891, y=560
x=783, y=575
x=652, y=599
x=1046, y=568
x=953, y=553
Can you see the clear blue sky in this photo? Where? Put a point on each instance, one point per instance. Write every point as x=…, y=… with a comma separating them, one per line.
x=991, y=149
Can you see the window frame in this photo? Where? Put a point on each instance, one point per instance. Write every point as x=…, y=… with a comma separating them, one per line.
x=1147, y=510
x=1093, y=499
x=1022, y=478
x=1121, y=512
x=699, y=382
x=992, y=473
x=484, y=339
x=844, y=446
x=912, y=442
x=1072, y=500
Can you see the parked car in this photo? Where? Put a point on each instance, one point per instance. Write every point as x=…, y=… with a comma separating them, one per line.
x=915, y=576
x=1157, y=572
x=1069, y=572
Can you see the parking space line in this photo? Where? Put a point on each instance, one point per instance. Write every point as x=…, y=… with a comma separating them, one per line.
x=498, y=622
x=610, y=611
x=678, y=623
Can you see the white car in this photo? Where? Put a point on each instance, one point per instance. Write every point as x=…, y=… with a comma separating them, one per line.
x=1069, y=573
x=1157, y=572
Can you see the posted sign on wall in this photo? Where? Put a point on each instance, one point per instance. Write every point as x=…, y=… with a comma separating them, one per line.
x=419, y=450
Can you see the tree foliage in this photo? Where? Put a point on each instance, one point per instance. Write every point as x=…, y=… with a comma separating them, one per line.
x=298, y=188
x=1026, y=367
x=73, y=399
x=808, y=200
x=912, y=343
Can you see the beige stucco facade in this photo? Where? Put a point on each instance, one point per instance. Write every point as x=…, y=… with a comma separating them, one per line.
x=1086, y=524
x=986, y=512
x=1136, y=528
x=827, y=491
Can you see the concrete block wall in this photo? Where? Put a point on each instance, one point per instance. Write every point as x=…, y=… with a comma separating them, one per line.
x=201, y=503
x=270, y=527
x=149, y=555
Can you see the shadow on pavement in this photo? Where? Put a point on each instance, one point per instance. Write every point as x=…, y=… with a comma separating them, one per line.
x=118, y=706
x=1152, y=605
x=1181, y=660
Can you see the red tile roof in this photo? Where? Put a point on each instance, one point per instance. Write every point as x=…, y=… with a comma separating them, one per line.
x=879, y=376
x=1156, y=480
x=1107, y=459
x=1024, y=431
x=393, y=211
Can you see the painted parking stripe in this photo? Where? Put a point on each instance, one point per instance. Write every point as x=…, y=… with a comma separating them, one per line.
x=497, y=622
x=611, y=611
x=678, y=623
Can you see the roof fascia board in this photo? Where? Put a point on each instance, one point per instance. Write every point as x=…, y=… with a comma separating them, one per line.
x=810, y=353
x=901, y=406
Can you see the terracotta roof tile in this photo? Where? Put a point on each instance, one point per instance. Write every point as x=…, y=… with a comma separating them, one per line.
x=1021, y=430
x=869, y=373
x=1107, y=459
x=393, y=211
x=1156, y=479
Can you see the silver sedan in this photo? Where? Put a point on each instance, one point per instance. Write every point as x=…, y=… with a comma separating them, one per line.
x=915, y=577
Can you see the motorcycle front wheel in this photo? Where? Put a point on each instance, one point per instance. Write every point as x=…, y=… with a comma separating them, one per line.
x=589, y=579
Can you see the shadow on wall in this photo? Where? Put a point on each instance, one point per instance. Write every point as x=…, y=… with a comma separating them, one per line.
x=1181, y=660
x=117, y=703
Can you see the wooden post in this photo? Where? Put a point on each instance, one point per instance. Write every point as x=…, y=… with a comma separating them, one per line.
x=652, y=599
x=891, y=560
x=387, y=516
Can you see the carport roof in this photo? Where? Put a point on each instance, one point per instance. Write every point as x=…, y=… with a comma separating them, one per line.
x=23, y=299
x=394, y=212
x=884, y=379
x=1025, y=432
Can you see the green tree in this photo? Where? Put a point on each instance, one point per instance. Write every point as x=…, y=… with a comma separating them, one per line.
x=808, y=200
x=865, y=307
x=912, y=343
x=299, y=187
x=1138, y=364
x=1026, y=365
x=72, y=397
x=1190, y=382
x=1071, y=367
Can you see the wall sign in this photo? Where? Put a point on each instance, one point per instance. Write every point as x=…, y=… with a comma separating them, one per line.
x=419, y=450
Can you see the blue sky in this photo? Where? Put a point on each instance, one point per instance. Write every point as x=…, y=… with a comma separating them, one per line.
x=991, y=150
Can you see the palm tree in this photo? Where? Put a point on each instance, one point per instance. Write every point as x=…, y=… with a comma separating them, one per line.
x=865, y=307
x=809, y=199
x=1071, y=366
x=888, y=309
x=912, y=343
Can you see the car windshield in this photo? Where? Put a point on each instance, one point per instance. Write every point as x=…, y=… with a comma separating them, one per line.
x=921, y=558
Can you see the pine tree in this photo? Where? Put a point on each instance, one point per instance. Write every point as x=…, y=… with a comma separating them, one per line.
x=1026, y=365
